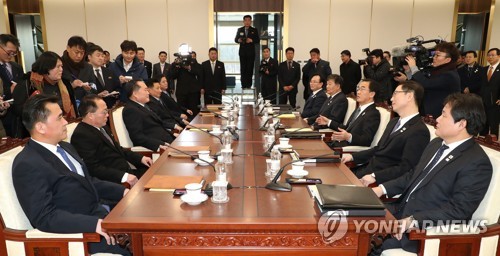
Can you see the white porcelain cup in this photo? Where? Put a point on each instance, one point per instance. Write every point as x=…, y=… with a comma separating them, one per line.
x=193, y=188
x=298, y=166
x=204, y=154
x=284, y=142
x=215, y=128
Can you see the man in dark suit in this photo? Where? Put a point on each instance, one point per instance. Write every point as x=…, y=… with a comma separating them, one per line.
x=315, y=65
x=169, y=120
x=402, y=142
x=450, y=180
x=174, y=107
x=490, y=92
x=364, y=121
x=103, y=156
x=288, y=78
x=248, y=37
x=106, y=81
x=213, y=83
x=188, y=88
x=162, y=67
x=10, y=74
x=315, y=101
x=75, y=69
x=52, y=182
x=350, y=71
x=332, y=113
x=470, y=75
x=141, y=55
x=144, y=127
x=268, y=70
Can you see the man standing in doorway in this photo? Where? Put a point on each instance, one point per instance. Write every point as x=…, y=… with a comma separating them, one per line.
x=247, y=36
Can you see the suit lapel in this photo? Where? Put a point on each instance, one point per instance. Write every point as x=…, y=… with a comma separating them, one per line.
x=360, y=117
x=147, y=112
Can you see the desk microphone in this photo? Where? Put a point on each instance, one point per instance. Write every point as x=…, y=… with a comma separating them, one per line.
x=268, y=151
x=213, y=135
x=215, y=114
x=263, y=127
x=233, y=132
x=278, y=186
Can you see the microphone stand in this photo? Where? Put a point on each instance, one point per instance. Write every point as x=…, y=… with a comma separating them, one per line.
x=220, y=140
x=283, y=186
x=268, y=151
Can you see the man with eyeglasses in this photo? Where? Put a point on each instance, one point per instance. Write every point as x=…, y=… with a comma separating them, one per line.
x=10, y=74
x=401, y=144
x=104, y=157
x=490, y=91
x=441, y=81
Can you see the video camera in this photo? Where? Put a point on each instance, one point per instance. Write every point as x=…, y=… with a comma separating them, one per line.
x=423, y=56
x=183, y=57
x=264, y=66
x=368, y=60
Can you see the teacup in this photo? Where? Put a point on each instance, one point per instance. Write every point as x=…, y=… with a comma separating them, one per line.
x=298, y=166
x=193, y=188
x=284, y=142
x=204, y=154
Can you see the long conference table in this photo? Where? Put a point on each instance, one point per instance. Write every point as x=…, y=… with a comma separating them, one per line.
x=255, y=221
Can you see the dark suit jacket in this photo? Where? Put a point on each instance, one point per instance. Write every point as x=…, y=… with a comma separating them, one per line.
x=157, y=70
x=104, y=160
x=111, y=83
x=453, y=189
x=395, y=153
x=268, y=81
x=313, y=104
x=288, y=76
x=56, y=199
x=471, y=78
x=175, y=108
x=188, y=81
x=381, y=73
x=86, y=74
x=167, y=119
x=334, y=109
x=363, y=129
x=322, y=68
x=213, y=81
x=247, y=49
x=351, y=73
x=17, y=76
x=149, y=68
x=144, y=127
x=490, y=90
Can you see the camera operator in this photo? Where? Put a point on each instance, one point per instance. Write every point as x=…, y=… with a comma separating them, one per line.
x=268, y=70
x=441, y=81
x=188, y=73
x=378, y=69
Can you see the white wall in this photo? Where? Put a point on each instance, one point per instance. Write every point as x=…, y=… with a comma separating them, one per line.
x=495, y=29
x=3, y=18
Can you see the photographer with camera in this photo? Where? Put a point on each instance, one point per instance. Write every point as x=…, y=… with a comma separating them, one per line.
x=440, y=81
x=378, y=69
x=268, y=70
x=188, y=73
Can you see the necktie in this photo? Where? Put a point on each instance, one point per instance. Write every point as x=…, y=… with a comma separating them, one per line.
x=289, y=65
x=6, y=71
x=396, y=127
x=106, y=135
x=99, y=77
x=162, y=67
x=246, y=31
x=66, y=159
x=354, y=116
x=490, y=73
x=213, y=68
x=427, y=170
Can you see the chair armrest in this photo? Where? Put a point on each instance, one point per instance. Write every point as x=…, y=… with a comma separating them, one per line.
x=35, y=234
x=140, y=149
x=350, y=149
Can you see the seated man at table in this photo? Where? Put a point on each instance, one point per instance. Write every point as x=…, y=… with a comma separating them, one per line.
x=144, y=127
x=315, y=101
x=332, y=113
x=402, y=142
x=52, y=183
x=364, y=121
x=103, y=156
x=160, y=108
x=450, y=180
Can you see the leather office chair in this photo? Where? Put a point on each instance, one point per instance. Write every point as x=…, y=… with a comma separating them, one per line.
x=70, y=129
x=351, y=106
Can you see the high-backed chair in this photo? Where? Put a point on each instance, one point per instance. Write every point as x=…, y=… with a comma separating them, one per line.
x=70, y=129
x=120, y=132
x=385, y=117
x=17, y=236
x=463, y=241
x=351, y=106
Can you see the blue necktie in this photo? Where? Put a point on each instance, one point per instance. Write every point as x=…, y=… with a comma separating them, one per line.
x=396, y=127
x=66, y=159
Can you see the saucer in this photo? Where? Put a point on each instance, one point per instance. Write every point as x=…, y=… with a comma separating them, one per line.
x=285, y=147
x=216, y=133
x=194, y=199
x=297, y=174
x=202, y=163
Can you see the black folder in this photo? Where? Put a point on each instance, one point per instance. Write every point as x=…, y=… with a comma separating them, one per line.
x=357, y=201
x=302, y=135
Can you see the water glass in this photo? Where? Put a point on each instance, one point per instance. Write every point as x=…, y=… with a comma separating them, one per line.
x=219, y=192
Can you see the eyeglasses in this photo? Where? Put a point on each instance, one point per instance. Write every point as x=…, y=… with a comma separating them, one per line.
x=492, y=55
x=361, y=88
x=10, y=53
x=396, y=92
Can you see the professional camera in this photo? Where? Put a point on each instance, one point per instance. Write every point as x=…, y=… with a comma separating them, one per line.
x=183, y=57
x=368, y=60
x=415, y=47
x=264, y=66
